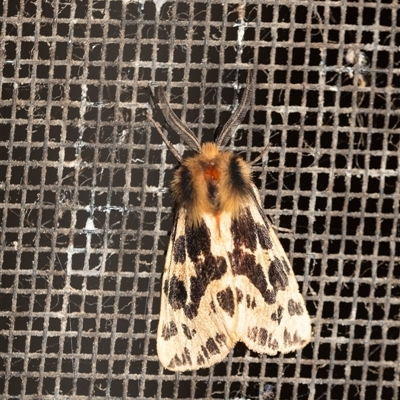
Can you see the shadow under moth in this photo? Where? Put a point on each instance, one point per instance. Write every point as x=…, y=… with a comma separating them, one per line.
x=226, y=277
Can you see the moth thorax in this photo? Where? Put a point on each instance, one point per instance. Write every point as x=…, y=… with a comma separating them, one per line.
x=212, y=176
x=212, y=172
x=211, y=182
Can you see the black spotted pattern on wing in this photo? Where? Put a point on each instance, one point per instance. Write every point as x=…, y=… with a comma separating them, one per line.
x=212, y=346
x=182, y=359
x=180, y=250
x=244, y=231
x=188, y=333
x=252, y=333
x=250, y=302
x=277, y=275
x=262, y=337
x=226, y=301
x=212, y=307
x=211, y=269
x=205, y=352
x=176, y=293
x=291, y=340
x=198, y=241
x=239, y=295
x=258, y=335
x=220, y=338
x=206, y=266
x=169, y=330
x=277, y=315
x=272, y=343
x=200, y=359
x=187, y=356
x=295, y=308
x=244, y=263
x=263, y=236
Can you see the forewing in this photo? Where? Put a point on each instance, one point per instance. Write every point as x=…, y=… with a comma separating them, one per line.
x=198, y=304
x=272, y=316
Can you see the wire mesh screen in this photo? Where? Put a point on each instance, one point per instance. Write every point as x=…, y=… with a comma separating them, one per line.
x=86, y=211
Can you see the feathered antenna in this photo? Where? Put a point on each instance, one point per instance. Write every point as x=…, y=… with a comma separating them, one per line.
x=237, y=116
x=160, y=102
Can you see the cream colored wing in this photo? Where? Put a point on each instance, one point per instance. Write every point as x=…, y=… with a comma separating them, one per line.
x=198, y=304
x=272, y=316
x=224, y=281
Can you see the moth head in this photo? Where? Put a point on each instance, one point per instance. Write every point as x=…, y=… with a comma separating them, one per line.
x=212, y=181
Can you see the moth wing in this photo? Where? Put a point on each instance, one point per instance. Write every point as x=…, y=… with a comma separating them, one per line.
x=272, y=316
x=198, y=306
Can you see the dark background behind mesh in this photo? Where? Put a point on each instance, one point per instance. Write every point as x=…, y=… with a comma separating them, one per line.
x=86, y=212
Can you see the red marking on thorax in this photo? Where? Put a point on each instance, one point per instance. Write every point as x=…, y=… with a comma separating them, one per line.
x=212, y=172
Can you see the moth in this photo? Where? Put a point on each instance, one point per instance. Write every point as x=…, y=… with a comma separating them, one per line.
x=226, y=277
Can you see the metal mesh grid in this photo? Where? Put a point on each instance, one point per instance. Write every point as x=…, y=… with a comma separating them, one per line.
x=86, y=210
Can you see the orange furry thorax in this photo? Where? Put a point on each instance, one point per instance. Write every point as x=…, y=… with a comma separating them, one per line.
x=211, y=182
x=212, y=172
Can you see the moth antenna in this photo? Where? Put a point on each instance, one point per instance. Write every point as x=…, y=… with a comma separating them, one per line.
x=174, y=122
x=164, y=137
x=237, y=116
